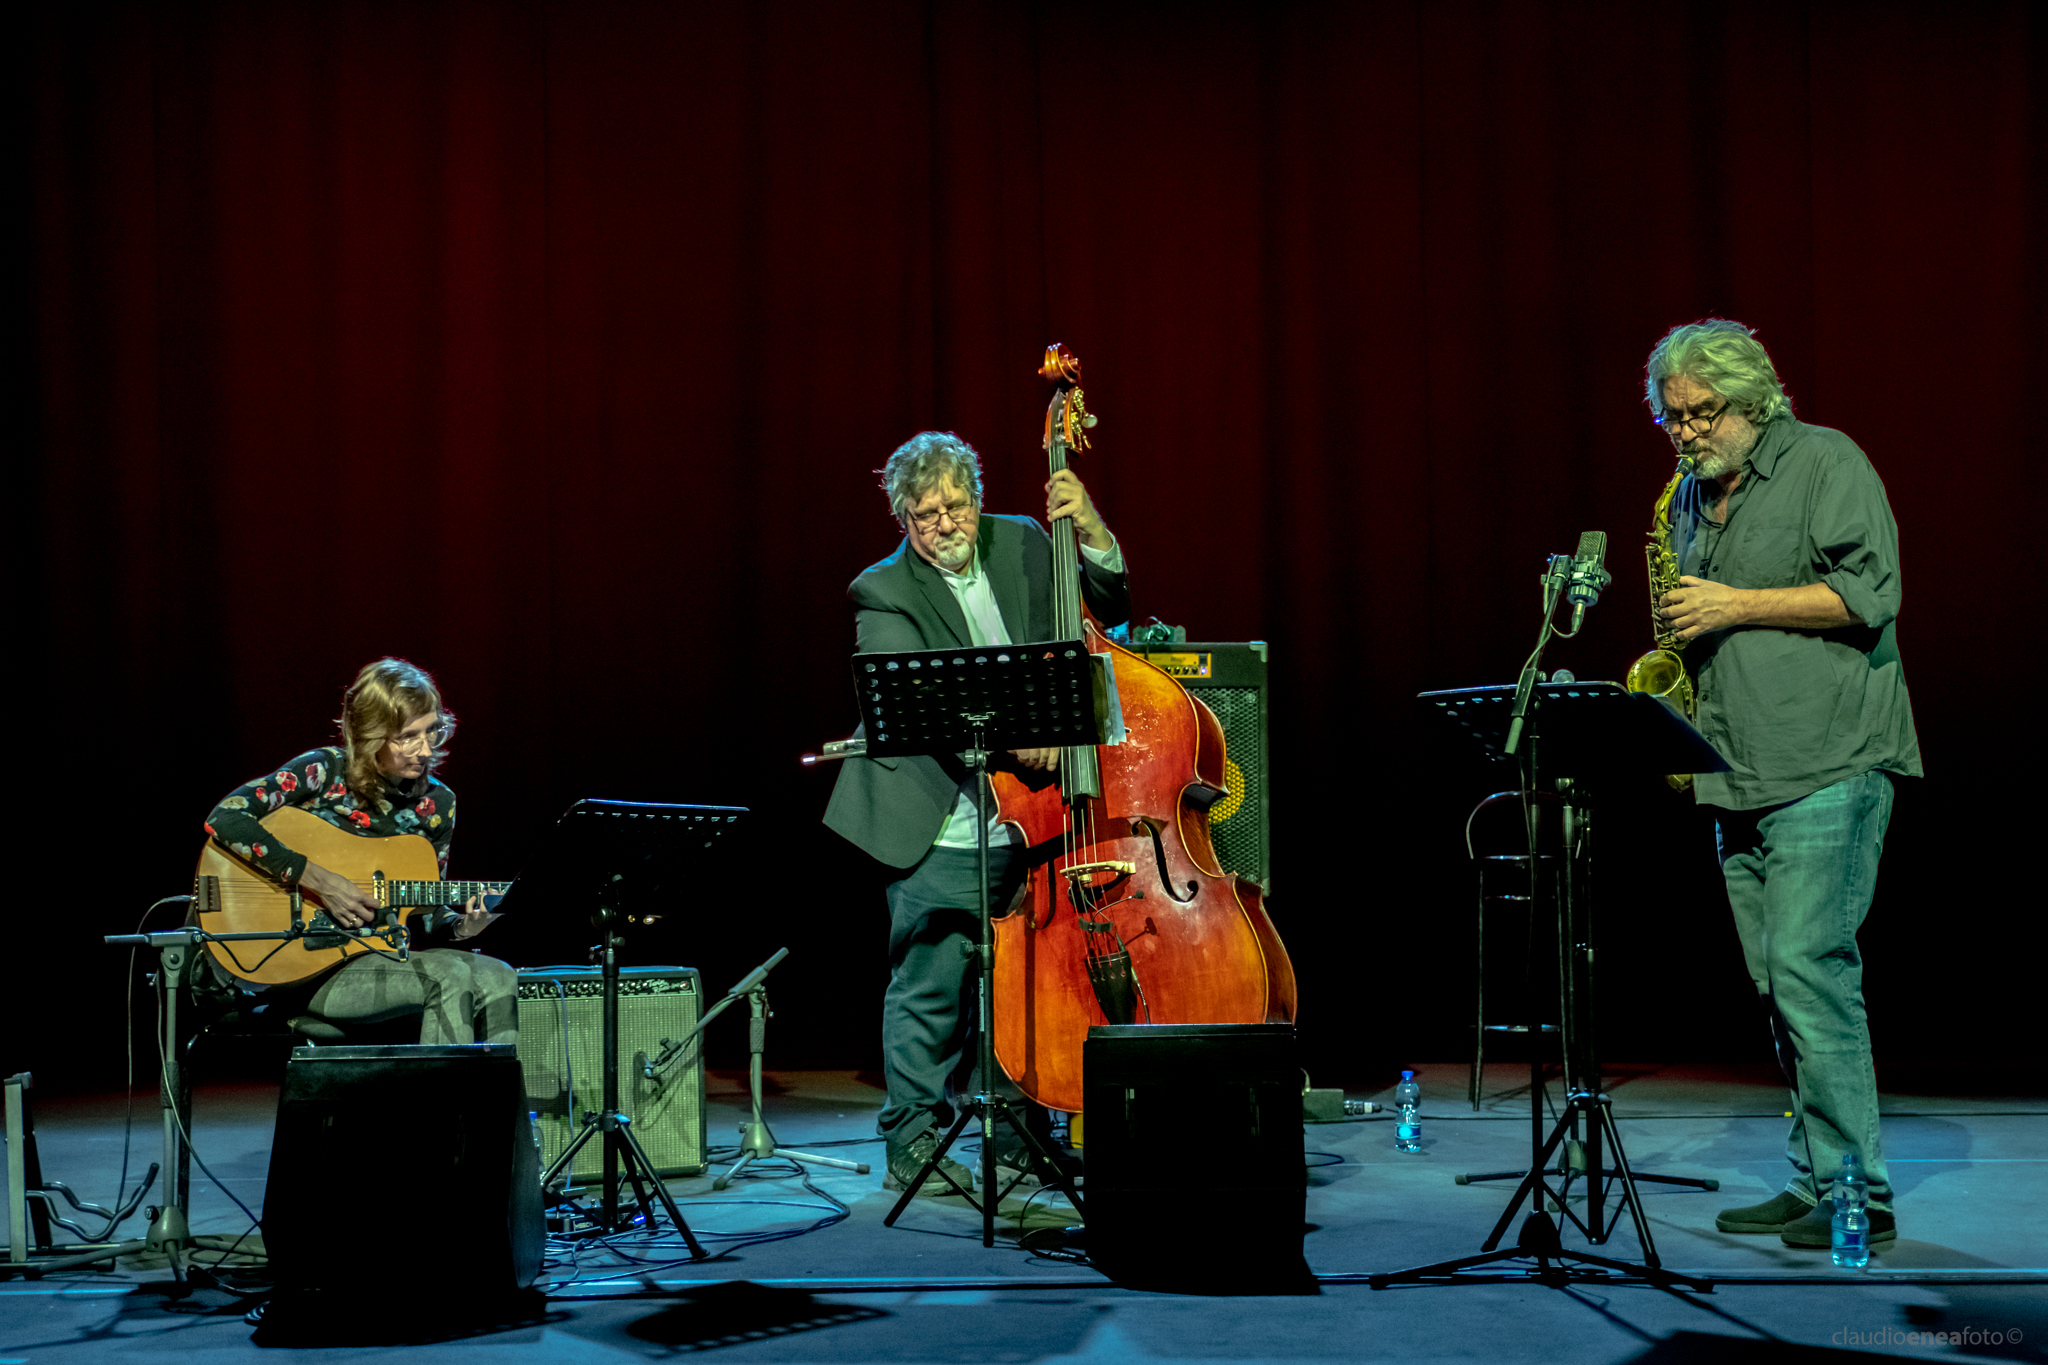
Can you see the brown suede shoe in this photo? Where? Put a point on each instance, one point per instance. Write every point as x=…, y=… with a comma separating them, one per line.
x=1770, y=1216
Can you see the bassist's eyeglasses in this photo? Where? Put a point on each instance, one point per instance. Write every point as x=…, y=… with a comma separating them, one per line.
x=961, y=516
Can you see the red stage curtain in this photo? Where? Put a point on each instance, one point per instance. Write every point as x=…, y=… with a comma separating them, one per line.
x=553, y=345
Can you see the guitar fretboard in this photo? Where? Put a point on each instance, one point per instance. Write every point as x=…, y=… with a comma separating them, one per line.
x=440, y=893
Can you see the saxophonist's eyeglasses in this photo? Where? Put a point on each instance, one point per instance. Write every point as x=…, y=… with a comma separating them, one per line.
x=1682, y=429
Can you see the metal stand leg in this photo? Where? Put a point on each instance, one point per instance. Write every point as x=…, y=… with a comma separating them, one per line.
x=757, y=1143
x=616, y=1128
x=1539, y=1235
x=170, y=1231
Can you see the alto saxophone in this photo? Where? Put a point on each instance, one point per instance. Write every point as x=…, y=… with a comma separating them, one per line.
x=1661, y=672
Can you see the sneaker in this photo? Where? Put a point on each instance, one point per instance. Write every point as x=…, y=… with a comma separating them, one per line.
x=906, y=1161
x=1817, y=1228
x=1770, y=1216
x=1014, y=1158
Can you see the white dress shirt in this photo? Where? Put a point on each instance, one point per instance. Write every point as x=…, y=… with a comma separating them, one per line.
x=985, y=627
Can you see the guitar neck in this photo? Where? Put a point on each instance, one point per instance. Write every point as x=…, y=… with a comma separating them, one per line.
x=440, y=893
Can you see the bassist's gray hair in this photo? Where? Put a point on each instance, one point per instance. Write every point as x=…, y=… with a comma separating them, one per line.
x=922, y=463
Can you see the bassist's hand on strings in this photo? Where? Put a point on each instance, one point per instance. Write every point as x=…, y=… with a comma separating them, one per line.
x=1065, y=497
x=1045, y=759
x=344, y=901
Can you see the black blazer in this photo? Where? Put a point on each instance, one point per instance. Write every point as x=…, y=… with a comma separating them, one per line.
x=893, y=808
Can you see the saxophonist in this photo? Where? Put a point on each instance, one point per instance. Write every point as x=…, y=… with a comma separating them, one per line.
x=1785, y=609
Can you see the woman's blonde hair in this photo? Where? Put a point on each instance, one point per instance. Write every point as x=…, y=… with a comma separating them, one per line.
x=1727, y=358
x=386, y=696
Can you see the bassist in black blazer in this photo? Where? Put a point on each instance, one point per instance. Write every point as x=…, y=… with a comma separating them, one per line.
x=961, y=576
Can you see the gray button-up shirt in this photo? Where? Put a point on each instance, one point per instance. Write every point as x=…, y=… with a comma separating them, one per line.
x=1796, y=710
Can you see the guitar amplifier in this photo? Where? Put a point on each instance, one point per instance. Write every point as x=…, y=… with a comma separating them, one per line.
x=1231, y=679
x=561, y=1046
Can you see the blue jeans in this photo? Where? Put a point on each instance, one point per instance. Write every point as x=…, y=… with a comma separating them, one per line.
x=1800, y=880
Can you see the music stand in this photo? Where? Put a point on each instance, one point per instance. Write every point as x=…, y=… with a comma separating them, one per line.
x=970, y=701
x=1585, y=732
x=606, y=859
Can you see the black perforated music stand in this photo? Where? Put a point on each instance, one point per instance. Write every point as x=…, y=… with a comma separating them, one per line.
x=1582, y=732
x=970, y=701
x=606, y=860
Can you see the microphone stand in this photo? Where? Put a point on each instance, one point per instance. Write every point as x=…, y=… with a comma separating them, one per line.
x=1525, y=687
x=757, y=1140
x=177, y=951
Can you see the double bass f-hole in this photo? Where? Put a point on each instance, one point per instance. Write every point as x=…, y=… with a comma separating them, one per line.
x=1142, y=826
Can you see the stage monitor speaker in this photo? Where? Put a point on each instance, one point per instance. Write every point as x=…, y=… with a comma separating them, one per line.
x=380, y=1152
x=1231, y=679
x=1197, y=1178
x=561, y=1042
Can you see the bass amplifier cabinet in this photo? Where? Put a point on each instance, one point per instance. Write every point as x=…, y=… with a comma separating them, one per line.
x=1231, y=679
x=1175, y=1207
x=561, y=1045
x=367, y=1138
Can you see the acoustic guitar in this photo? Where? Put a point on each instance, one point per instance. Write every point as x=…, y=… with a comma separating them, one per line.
x=400, y=872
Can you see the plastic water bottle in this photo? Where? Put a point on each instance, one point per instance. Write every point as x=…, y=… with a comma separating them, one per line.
x=1408, y=1121
x=1852, y=1215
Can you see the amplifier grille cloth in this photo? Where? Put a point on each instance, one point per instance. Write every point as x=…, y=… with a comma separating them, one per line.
x=561, y=1043
x=1237, y=823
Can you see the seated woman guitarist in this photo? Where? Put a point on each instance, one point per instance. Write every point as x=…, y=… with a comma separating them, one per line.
x=380, y=782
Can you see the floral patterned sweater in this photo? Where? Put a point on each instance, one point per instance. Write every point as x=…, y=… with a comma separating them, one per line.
x=317, y=783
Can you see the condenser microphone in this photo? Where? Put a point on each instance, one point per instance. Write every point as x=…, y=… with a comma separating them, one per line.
x=1588, y=575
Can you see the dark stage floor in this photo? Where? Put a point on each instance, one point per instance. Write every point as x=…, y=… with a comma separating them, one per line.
x=1970, y=1264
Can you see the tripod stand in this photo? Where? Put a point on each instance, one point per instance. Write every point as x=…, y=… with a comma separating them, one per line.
x=757, y=1142
x=659, y=844
x=170, y=1230
x=614, y=1128
x=1595, y=728
x=1581, y=1154
x=1013, y=697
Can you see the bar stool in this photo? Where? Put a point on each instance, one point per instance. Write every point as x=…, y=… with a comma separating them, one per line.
x=1503, y=878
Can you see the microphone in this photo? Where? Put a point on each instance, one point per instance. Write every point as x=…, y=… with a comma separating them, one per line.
x=1587, y=576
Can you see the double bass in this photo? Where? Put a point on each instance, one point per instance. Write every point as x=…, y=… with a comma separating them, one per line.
x=1125, y=915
